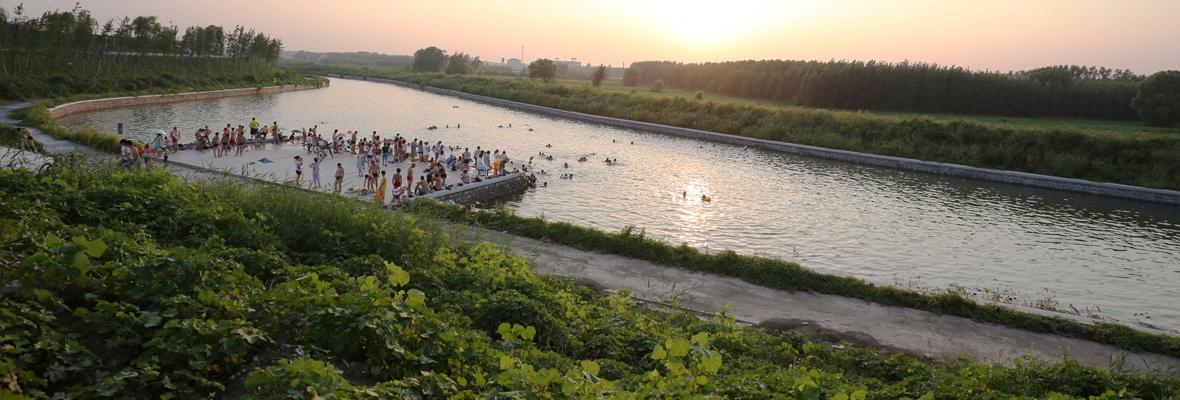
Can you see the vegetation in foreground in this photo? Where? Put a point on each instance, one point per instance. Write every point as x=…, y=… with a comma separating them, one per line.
x=62, y=54
x=1141, y=159
x=135, y=285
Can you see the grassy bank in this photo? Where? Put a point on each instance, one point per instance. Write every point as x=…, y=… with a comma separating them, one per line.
x=38, y=114
x=790, y=276
x=1088, y=126
x=135, y=285
x=141, y=75
x=1141, y=158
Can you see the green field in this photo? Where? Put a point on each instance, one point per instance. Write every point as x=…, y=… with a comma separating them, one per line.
x=1082, y=125
x=1094, y=126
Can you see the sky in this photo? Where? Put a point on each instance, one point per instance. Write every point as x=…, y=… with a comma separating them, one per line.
x=1003, y=35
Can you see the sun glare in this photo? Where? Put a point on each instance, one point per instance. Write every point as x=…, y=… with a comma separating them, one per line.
x=708, y=22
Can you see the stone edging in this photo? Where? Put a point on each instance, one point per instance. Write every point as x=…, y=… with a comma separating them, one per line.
x=116, y=102
x=477, y=192
x=480, y=192
x=993, y=175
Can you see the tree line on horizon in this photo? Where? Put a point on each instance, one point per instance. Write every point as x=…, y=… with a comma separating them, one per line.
x=363, y=59
x=63, y=53
x=1059, y=91
x=28, y=43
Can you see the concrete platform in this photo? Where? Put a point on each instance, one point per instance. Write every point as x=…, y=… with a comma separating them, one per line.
x=281, y=169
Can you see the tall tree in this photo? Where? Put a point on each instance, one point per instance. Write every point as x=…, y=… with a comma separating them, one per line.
x=430, y=59
x=631, y=76
x=1158, y=100
x=599, y=75
x=543, y=69
x=476, y=64
x=458, y=64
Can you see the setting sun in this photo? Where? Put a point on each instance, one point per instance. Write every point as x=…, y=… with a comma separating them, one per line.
x=707, y=22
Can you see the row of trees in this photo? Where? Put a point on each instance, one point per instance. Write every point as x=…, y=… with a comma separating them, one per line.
x=26, y=43
x=1069, y=91
x=349, y=59
x=434, y=59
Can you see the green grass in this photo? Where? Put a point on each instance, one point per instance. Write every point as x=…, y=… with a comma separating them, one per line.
x=1141, y=158
x=38, y=115
x=137, y=285
x=136, y=75
x=790, y=276
x=1089, y=126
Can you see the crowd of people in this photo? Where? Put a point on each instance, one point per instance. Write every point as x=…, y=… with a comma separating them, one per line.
x=234, y=140
x=431, y=162
x=376, y=158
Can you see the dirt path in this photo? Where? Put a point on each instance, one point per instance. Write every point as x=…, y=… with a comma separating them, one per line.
x=907, y=330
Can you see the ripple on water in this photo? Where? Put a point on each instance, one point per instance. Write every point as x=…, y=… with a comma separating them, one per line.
x=881, y=225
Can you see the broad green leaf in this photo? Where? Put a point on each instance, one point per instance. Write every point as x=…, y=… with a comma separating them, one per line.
x=94, y=248
x=678, y=347
x=150, y=319
x=415, y=298
x=367, y=283
x=590, y=366
x=505, y=331
x=82, y=263
x=397, y=275
x=52, y=241
x=659, y=353
x=712, y=362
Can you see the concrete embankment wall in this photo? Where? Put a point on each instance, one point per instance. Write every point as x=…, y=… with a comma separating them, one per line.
x=116, y=102
x=481, y=192
x=1011, y=177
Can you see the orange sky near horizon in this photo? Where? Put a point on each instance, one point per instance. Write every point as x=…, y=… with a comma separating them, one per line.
x=994, y=35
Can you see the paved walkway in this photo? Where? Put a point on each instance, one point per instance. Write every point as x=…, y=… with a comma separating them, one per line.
x=50, y=144
x=912, y=331
x=907, y=330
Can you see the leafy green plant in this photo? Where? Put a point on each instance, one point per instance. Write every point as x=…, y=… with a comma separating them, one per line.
x=373, y=304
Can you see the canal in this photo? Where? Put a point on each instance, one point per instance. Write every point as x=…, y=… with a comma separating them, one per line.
x=1112, y=258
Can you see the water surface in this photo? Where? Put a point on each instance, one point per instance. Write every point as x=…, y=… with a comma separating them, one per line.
x=1119, y=259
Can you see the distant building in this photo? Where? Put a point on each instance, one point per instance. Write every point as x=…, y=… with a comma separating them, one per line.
x=515, y=64
x=572, y=63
